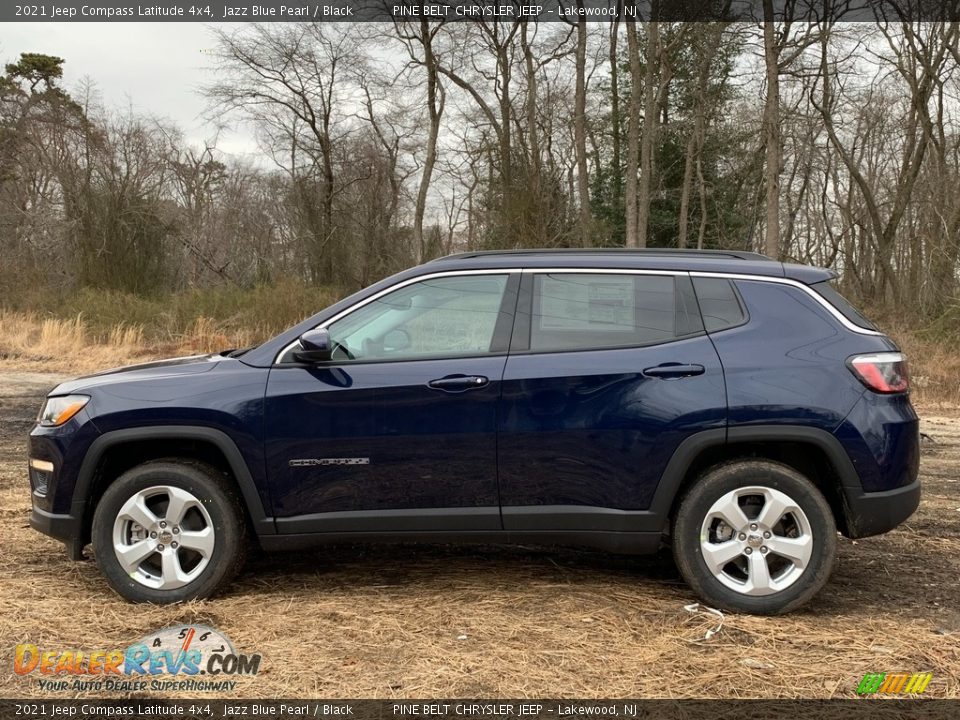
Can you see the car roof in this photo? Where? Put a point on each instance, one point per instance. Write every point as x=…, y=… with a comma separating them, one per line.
x=736, y=262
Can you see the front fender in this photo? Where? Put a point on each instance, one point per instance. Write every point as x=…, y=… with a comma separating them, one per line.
x=252, y=496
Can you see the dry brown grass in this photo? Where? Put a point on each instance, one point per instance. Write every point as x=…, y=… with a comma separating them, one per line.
x=30, y=342
x=510, y=622
x=33, y=343
x=934, y=368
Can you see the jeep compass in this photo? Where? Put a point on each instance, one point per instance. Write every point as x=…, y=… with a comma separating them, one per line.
x=732, y=407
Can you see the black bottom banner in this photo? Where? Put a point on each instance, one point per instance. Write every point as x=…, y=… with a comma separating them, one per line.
x=200, y=709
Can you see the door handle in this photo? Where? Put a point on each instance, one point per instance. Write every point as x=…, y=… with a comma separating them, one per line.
x=673, y=370
x=458, y=383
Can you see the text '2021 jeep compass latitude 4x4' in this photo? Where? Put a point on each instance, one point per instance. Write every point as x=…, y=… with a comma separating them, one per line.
x=736, y=406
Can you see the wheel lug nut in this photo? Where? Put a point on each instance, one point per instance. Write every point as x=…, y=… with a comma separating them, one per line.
x=766, y=534
x=763, y=549
x=174, y=545
x=176, y=531
x=160, y=547
x=747, y=551
x=753, y=526
x=742, y=536
x=153, y=535
x=163, y=523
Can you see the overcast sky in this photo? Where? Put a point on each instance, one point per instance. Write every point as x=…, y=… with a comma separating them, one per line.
x=157, y=68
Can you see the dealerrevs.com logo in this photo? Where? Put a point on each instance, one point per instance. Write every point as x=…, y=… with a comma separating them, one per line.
x=183, y=657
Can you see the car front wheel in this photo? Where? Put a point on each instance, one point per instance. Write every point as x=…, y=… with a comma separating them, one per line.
x=754, y=536
x=169, y=530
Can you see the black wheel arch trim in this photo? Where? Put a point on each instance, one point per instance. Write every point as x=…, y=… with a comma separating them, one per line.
x=262, y=524
x=691, y=448
x=842, y=464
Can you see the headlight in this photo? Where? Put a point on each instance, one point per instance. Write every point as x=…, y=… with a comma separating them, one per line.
x=57, y=410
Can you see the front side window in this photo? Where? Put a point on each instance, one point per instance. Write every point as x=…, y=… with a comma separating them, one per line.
x=439, y=317
x=579, y=311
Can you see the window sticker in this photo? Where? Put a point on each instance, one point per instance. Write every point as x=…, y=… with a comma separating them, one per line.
x=586, y=303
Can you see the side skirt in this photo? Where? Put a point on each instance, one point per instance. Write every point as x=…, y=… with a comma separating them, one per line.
x=626, y=543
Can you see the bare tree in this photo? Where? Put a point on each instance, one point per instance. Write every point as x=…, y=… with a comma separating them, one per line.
x=423, y=38
x=580, y=132
x=633, y=134
x=292, y=78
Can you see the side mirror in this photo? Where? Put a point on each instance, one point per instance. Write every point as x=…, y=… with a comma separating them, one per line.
x=317, y=346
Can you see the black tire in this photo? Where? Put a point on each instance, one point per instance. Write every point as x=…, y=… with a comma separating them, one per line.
x=714, y=484
x=222, y=505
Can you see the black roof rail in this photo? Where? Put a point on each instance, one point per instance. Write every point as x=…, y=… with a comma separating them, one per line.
x=736, y=254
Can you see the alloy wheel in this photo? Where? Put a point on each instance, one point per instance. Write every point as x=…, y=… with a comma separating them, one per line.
x=756, y=540
x=163, y=537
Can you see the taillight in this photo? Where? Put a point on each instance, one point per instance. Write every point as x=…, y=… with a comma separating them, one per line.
x=882, y=372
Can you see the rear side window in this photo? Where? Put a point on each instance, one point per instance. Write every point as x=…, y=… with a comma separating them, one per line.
x=584, y=311
x=826, y=290
x=719, y=303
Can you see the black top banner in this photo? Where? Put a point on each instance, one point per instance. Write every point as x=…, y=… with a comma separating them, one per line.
x=436, y=11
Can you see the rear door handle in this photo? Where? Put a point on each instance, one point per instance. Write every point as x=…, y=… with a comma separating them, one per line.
x=673, y=370
x=458, y=383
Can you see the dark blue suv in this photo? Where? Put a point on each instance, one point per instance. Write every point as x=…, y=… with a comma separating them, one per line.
x=732, y=406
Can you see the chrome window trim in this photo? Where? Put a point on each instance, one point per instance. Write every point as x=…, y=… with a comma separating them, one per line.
x=823, y=302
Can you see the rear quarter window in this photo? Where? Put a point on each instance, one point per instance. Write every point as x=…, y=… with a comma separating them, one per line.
x=828, y=292
x=720, y=304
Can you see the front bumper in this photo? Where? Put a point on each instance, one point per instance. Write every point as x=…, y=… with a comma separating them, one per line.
x=873, y=513
x=65, y=528
x=55, y=510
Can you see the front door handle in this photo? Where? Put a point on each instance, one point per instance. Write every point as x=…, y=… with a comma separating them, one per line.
x=673, y=370
x=458, y=383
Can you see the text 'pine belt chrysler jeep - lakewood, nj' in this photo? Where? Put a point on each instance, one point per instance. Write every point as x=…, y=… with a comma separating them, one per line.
x=733, y=406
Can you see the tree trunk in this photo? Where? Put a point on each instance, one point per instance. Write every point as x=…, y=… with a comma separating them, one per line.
x=649, y=136
x=580, y=132
x=506, y=149
x=688, y=169
x=771, y=135
x=539, y=235
x=435, y=108
x=694, y=149
x=633, y=136
x=616, y=179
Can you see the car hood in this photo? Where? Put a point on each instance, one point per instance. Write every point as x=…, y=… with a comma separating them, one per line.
x=190, y=365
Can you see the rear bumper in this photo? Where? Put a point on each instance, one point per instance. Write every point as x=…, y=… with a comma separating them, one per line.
x=65, y=528
x=873, y=513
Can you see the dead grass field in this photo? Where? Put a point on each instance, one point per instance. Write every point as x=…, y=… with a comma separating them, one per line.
x=508, y=622
x=34, y=343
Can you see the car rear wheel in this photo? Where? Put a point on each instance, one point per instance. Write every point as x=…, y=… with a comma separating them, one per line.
x=169, y=530
x=754, y=536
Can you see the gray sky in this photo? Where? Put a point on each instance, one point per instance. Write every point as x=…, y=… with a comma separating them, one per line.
x=155, y=67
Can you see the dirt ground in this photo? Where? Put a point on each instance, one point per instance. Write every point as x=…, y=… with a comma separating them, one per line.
x=508, y=622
